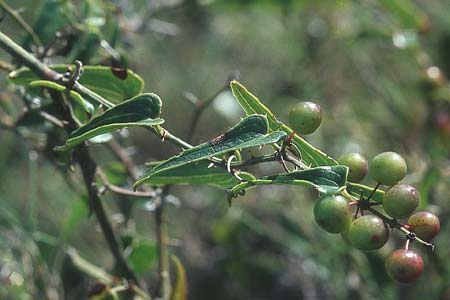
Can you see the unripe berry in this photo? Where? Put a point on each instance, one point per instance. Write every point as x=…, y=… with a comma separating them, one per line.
x=400, y=200
x=425, y=225
x=388, y=168
x=333, y=214
x=368, y=233
x=357, y=166
x=404, y=266
x=305, y=117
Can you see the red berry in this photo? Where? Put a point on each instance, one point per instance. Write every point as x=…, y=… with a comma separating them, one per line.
x=425, y=224
x=404, y=266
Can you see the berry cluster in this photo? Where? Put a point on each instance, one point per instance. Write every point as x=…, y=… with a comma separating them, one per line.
x=368, y=228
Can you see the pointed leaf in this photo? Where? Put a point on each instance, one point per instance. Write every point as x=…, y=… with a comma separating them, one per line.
x=252, y=105
x=328, y=180
x=197, y=173
x=356, y=190
x=310, y=155
x=250, y=132
x=179, y=291
x=138, y=111
x=105, y=81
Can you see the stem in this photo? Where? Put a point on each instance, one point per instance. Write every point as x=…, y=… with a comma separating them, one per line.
x=162, y=239
x=28, y=59
x=88, y=169
x=200, y=106
x=122, y=191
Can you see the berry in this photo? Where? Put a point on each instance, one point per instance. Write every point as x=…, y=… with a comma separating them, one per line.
x=404, y=266
x=400, y=200
x=333, y=214
x=305, y=117
x=357, y=166
x=388, y=168
x=425, y=224
x=368, y=233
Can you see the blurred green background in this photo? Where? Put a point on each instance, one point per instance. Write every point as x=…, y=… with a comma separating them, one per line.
x=369, y=64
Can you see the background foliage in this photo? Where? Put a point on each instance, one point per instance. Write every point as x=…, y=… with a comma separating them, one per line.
x=366, y=63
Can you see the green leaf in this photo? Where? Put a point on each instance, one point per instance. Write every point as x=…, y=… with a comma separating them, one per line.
x=179, y=291
x=252, y=105
x=328, y=180
x=141, y=110
x=87, y=106
x=310, y=155
x=142, y=256
x=197, y=173
x=250, y=132
x=105, y=81
x=357, y=189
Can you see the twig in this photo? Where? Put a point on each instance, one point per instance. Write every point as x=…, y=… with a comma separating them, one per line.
x=122, y=191
x=22, y=23
x=199, y=108
x=163, y=240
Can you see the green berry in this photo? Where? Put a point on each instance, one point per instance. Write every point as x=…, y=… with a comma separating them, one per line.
x=388, y=168
x=357, y=166
x=404, y=266
x=305, y=117
x=333, y=214
x=425, y=224
x=400, y=200
x=368, y=233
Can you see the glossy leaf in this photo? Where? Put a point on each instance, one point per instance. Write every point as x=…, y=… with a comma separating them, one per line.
x=142, y=110
x=310, y=155
x=328, y=180
x=250, y=132
x=102, y=80
x=197, y=173
x=252, y=105
x=142, y=256
x=179, y=291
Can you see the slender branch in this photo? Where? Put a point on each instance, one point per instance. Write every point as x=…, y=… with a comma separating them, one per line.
x=123, y=156
x=163, y=240
x=88, y=169
x=122, y=191
x=22, y=23
x=28, y=59
x=200, y=106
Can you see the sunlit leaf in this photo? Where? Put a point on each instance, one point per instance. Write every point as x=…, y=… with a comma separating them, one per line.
x=328, y=180
x=197, y=173
x=250, y=132
x=252, y=105
x=99, y=79
x=142, y=110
